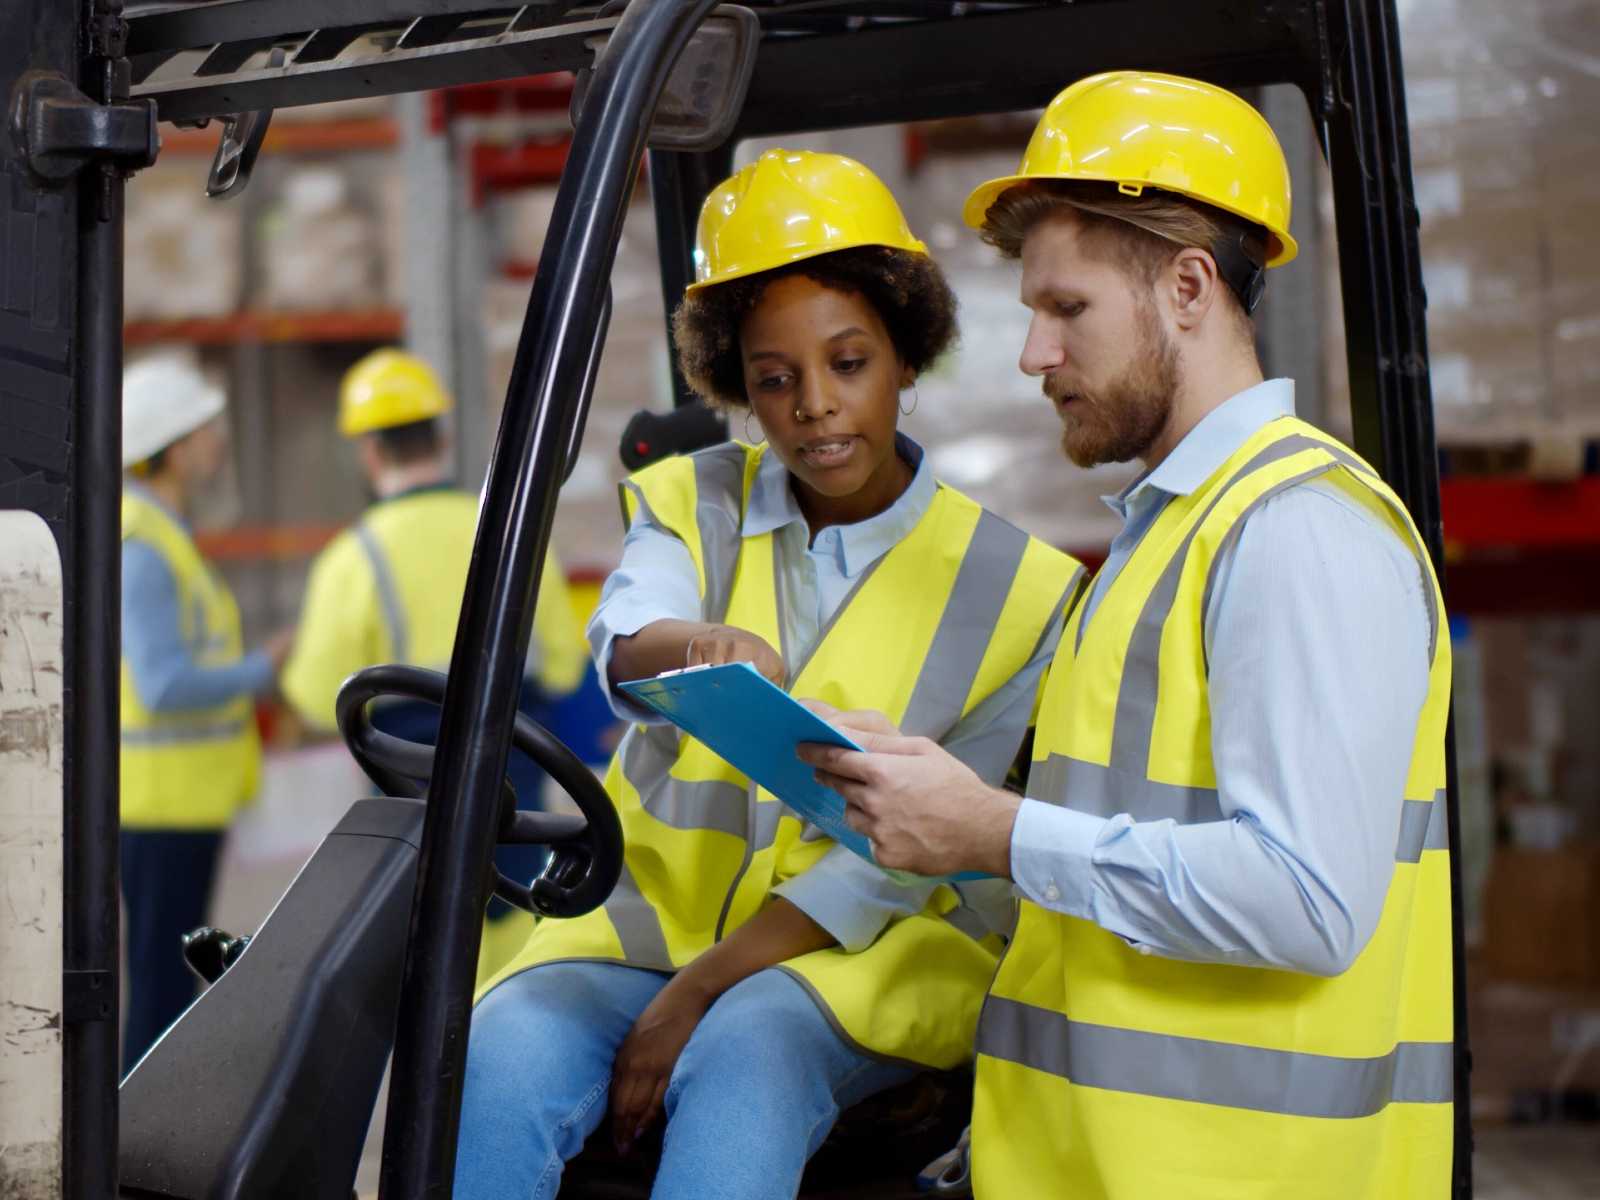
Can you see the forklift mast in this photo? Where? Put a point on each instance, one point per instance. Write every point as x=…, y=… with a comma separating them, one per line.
x=83, y=87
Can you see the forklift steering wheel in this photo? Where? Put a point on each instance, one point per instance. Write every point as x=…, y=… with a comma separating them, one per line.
x=585, y=851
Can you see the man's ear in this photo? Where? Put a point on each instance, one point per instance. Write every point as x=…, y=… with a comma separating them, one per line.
x=1194, y=287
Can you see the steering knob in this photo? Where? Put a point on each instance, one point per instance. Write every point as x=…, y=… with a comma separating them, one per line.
x=585, y=859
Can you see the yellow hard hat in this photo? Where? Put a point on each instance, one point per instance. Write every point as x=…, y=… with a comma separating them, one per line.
x=389, y=388
x=790, y=205
x=1137, y=129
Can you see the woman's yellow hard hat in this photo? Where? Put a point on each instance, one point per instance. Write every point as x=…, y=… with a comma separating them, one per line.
x=790, y=205
x=389, y=388
x=1138, y=129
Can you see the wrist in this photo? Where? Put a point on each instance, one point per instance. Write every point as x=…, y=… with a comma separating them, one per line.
x=994, y=833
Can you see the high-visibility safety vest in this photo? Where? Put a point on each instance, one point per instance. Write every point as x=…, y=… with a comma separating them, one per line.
x=389, y=589
x=938, y=623
x=1107, y=1073
x=195, y=768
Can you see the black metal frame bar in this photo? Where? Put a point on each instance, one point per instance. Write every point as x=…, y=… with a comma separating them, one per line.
x=553, y=356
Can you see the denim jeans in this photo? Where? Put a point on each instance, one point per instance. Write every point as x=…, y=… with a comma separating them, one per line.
x=753, y=1095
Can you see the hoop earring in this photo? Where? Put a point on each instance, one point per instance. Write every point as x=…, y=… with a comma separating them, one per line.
x=748, y=413
x=915, y=399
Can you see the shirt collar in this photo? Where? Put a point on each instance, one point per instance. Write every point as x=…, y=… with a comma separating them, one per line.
x=773, y=506
x=1211, y=442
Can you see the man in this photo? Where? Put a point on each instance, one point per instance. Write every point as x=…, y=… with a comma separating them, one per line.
x=1231, y=970
x=190, y=757
x=389, y=588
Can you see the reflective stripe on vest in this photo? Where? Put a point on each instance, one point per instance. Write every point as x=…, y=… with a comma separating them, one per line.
x=394, y=612
x=1081, y=1032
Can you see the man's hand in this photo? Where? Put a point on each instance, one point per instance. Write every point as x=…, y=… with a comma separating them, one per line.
x=730, y=644
x=922, y=809
x=643, y=1068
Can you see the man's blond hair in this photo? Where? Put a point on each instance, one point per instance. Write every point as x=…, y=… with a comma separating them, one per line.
x=1141, y=233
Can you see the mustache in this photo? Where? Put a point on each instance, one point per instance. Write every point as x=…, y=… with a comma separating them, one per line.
x=1057, y=390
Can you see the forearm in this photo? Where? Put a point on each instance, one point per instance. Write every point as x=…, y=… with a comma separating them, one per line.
x=659, y=646
x=1219, y=891
x=779, y=932
x=188, y=686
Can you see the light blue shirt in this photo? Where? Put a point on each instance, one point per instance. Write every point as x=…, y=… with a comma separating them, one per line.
x=1317, y=636
x=166, y=676
x=656, y=580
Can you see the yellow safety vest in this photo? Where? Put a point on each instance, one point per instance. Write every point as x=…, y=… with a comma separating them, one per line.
x=389, y=588
x=192, y=769
x=1107, y=1073
x=937, y=624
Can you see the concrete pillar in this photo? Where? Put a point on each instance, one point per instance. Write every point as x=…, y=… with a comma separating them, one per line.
x=31, y=787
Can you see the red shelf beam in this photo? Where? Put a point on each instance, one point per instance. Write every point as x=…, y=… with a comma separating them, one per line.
x=291, y=137
x=372, y=325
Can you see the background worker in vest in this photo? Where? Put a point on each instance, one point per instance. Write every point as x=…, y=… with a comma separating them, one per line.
x=748, y=979
x=1231, y=973
x=190, y=755
x=389, y=589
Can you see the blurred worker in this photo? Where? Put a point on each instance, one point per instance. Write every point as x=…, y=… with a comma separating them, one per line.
x=1231, y=973
x=190, y=755
x=389, y=588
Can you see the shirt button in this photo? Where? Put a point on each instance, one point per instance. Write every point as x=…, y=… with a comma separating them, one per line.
x=1052, y=893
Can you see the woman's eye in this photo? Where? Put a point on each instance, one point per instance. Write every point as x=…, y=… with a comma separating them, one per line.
x=849, y=366
x=772, y=383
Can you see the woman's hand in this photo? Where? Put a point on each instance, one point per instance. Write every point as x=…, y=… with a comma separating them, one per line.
x=730, y=644
x=644, y=1064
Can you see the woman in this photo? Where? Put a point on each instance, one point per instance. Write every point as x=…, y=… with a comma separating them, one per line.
x=190, y=757
x=748, y=979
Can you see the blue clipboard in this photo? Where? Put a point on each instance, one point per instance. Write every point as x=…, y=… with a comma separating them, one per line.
x=756, y=726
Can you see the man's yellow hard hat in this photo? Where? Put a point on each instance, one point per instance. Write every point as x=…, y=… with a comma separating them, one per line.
x=790, y=205
x=389, y=388
x=1138, y=129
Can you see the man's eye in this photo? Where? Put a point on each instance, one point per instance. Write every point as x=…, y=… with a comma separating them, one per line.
x=1070, y=310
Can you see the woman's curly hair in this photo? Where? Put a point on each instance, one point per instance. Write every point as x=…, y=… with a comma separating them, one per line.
x=907, y=290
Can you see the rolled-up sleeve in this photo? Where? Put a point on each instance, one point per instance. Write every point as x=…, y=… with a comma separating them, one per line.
x=655, y=581
x=1317, y=639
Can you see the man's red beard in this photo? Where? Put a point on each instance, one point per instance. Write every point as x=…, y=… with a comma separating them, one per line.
x=1119, y=422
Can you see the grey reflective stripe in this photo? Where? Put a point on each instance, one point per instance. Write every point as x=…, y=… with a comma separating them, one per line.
x=1107, y=791
x=638, y=928
x=388, y=595
x=1220, y=1073
x=1355, y=464
x=1136, y=699
x=1423, y=826
x=719, y=493
x=171, y=733
x=649, y=513
x=968, y=922
x=966, y=627
x=680, y=803
x=764, y=823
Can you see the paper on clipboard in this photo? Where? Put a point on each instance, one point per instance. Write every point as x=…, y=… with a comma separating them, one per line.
x=756, y=726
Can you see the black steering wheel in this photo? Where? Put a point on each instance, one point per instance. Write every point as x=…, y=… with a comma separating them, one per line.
x=585, y=851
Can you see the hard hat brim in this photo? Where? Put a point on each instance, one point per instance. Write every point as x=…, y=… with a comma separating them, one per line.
x=1282, y=248
x=799, y=254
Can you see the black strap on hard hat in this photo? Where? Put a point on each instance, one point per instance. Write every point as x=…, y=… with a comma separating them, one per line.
x=1240, y=269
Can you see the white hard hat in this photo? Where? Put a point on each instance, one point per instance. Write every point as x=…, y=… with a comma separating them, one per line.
x=164, y=397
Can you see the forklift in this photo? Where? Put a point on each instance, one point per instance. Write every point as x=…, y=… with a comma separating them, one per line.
x=265, y=1087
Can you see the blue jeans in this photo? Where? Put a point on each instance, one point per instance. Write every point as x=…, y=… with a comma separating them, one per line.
x=754, y=1093
x=166, y=884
